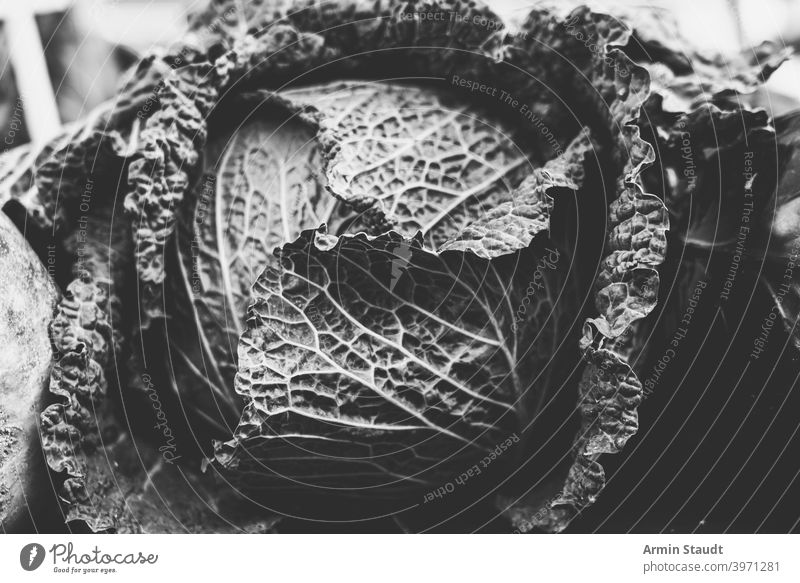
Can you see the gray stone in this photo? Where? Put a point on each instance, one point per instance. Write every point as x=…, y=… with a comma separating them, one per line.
x=28, y=299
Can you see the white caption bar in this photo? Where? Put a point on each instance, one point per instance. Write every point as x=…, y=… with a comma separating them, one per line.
x=399, y=558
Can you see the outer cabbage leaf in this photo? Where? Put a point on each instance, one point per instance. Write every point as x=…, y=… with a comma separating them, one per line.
x=49, y=180
x=377, y=364
x=412, y=158
x=86, y=337
x=626, y=287
x=130, y=488
x=111, y=481
x=513, y=224
x=166, y=156
x=261, y=185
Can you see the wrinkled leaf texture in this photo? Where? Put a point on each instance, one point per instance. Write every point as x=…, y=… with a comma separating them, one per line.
x=636, y=78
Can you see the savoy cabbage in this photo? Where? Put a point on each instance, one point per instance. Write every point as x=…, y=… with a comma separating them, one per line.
x=352, y=251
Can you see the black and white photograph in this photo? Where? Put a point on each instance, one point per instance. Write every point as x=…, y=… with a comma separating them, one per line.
x=391, y=267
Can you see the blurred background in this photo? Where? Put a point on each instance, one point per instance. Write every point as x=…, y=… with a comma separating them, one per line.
x=61, y=58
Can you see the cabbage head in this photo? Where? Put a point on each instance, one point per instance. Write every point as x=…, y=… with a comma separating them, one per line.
x=370, y=262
